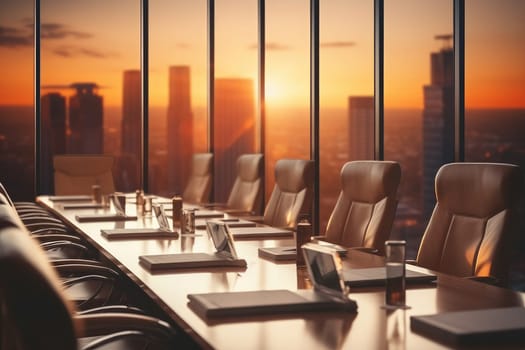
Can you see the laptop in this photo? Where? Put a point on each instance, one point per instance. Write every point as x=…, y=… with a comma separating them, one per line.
x=224, y=256
x=163, y=231
x=329, y=293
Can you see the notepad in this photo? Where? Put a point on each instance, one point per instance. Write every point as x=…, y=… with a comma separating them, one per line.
x=264, y=302
x=76, y=198
x=82, y=206
x=260, y=232
x=496, y=325
x=231, y=222
x=376, y=276
x=142, y=233
x=188, y=261
x=289, y=252
x=103, y=217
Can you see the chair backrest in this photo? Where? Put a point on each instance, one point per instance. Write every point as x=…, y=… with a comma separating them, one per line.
x=198, y=189
x=5, y=199
x=246, y=193
x=292, y=193
x=364, y=212
x=34, y=314
x=75, y=173
x=473, y=222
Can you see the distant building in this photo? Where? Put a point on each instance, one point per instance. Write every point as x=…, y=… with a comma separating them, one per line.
x=53, y=137
x=131, y=132
x=86, y=120
x=180, y=129
x=234, y=130
x=438, y=122
x=361, y=125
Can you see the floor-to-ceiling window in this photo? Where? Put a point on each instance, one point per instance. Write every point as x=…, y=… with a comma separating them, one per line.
x=178, y=98
x=16, y=98
x=346, y=88
x=418, y=105
x=287, y=83
x=495, y=92
x=235, y=104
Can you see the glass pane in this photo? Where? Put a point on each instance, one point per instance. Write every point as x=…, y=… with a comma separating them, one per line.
x=346, y=92
x=16, y=99
x=235, y=95
x=494, y=91
x=177, y=91
x=418, y=105
x=287, y=132
x=89, y=103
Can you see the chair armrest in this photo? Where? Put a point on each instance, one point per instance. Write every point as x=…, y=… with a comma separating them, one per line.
x=125, y=309
x=79, y=268
x=100, y=324
x=485, y=279
x=52, y=237
x=59, y=262
x=365, y=249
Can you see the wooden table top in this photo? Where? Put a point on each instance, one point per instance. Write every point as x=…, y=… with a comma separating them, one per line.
x=372, y=327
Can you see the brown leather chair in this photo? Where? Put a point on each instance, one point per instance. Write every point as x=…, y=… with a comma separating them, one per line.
x=292, y=193
x=35, y=314
x=364, y=212
x=246, y=195
x=472, y=227
x=198, y=189
x=74, y=174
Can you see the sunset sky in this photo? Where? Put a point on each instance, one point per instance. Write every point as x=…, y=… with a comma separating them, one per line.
x=96, y=41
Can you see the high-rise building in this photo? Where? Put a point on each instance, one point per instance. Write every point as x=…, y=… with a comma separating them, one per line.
x=180, y=129
x=86, y=120
x=361, y=125
x=234, y=130
x=128, y=164
x=438, y=121
x=53, y=138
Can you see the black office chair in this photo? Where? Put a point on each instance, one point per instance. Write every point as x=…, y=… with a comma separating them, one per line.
x=35, y=314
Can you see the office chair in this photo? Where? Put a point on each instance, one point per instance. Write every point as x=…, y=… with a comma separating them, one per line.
x=246, y=195
x=75, y=174
x=198, y=188
x=292, y=193
x=364, y=212
x=35, y=314
x=473, y=224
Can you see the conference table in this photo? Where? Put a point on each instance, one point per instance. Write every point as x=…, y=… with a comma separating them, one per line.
x=371, y=327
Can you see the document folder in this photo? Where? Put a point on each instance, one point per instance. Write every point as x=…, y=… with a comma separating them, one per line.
x=376, y=276
x=264, y=302
x=127, y=233
x=481, y=327
x=79, y=198
x=187, y=261
x=260, y=232
x=103, y=217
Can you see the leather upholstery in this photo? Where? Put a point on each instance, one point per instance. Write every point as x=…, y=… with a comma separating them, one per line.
x=75, y=174
x=364, y=212
x=473, y=223
x=292, y=193
x=198, y=189
x=246, y=193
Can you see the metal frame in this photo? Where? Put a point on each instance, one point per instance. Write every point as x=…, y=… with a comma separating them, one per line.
x=262, y=84
x=145, y=92
x=379, y=75
x=314, y=107
x=459, y=80
x=37, y=98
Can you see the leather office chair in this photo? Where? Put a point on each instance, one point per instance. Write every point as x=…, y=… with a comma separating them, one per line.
x=246, y=195
x=35, y=314
x=292, y=193
x=364, y=212
x=75, y=174
x=472, y=226
x=199, y=185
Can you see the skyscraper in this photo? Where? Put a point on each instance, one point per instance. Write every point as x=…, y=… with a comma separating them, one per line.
x=53, y=140
x=361, y=124
x=234, y=130
x=86, y=120
x=180, y=128
x=438, y=121
x=128, y=164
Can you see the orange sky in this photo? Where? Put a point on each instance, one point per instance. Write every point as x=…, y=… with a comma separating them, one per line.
x=97, y=43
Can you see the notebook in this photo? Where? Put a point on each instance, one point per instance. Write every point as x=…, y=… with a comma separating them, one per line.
x=225, y=255
x=329, y=293
x=79, y=198
x=260, y=232
x=376, y=276
x=231, y=222
x=163, y=231
x=289, y=252
x=487, y=326
x=103, y=217
x=82, y=206
x=206, y=214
